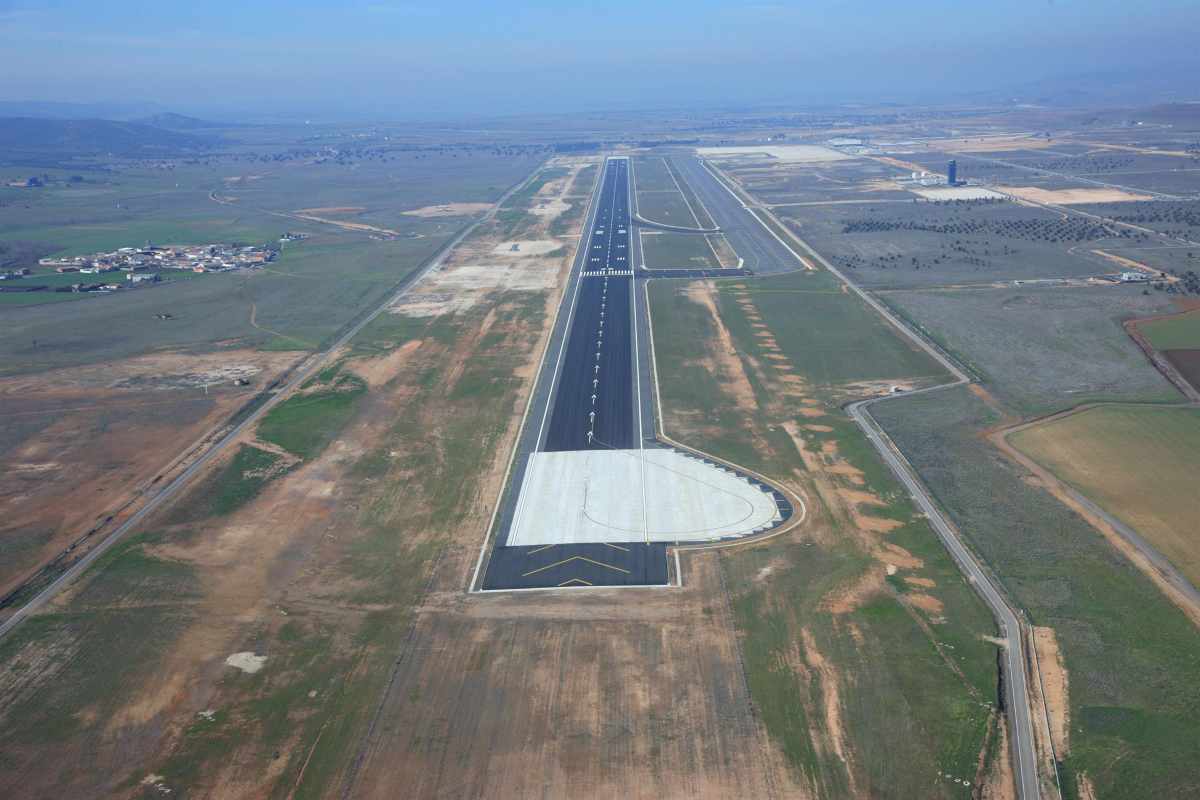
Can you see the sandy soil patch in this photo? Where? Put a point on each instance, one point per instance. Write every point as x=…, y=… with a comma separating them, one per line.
x=1056, y=688
x=448, y=210
x=106, y=432
x=851, y=596
x=335, y=210
x=551, y=209
x=926, y=602
x=1126, y=263
x=724, y=354
x=528, y=247
x=246, y=661
x=378, y=371
x=1067, y=197
x=831, y=703
x=989, y=144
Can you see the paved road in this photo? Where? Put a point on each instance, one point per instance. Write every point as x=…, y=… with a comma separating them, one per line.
x=172, y=488
x=1018, y=704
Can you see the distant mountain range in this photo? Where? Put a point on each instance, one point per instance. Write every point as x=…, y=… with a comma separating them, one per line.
x=181, y=122
x=22, y=136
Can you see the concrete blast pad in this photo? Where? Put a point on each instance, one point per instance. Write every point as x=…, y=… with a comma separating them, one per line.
x=592, y=496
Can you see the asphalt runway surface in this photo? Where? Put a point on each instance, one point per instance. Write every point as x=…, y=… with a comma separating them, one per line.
x=593, y=401
x=760, y=251
x=605, y=360
x=590, y=363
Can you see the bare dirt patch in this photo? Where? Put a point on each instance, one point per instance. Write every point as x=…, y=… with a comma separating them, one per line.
x=100, y=435
x=1055, y=685
x=1067, y=197
x=448, y=210
x=551, y=209
x=788, y=153
x=527, y=247
x=333, y=210
x=724, y=354
x=1127, y=263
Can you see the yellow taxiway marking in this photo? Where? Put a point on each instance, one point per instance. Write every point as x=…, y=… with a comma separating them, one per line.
x=540, y=549
x=616, y=547
x=576, y=582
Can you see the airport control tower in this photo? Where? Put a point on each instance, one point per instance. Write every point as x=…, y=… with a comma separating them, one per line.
x=952, y=173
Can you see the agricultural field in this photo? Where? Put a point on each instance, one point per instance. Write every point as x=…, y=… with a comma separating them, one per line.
x=855, y=625
x=889, y=246
x=1177, y=332
x=1138, y=463
x=1042, y=349
x=1131, y=656
x=1178, y=338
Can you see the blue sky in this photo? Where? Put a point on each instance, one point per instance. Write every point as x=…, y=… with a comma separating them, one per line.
x=414, y=57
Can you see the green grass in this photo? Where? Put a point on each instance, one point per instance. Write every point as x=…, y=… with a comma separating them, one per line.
x=916, y=693
x=1042, y=349
x=306, y=423
x=1132, y=656
x=668, y=208
x=830, y=336
x=1176, y=333
x=650, y=174
x=114, y=621
x=677, y=251
x=233, y=486
x=1138, y=463
x=303, y=299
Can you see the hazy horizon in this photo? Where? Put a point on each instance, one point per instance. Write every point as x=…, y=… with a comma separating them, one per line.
x=416, y=59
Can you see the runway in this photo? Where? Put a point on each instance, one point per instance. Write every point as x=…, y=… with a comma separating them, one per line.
x=593, y=498
x=593, y=401
x=761, y=253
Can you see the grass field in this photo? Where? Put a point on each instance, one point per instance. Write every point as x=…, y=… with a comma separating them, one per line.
x=1043, y=349
x=1177, y=333
x=664, y=250
x=1132, y=656
x=832, y=668
x=831, y=336
x=651, y=174
x=667, y=207
x=315, y=288
x=1138, y=463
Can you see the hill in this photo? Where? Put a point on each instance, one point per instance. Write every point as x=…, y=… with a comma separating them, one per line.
x=169, y=120
x=27, y=136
